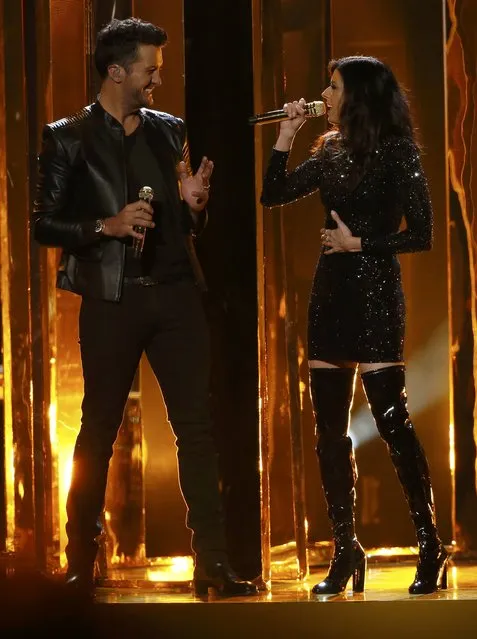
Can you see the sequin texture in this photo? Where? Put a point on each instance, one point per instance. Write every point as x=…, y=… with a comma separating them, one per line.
x=356, y=309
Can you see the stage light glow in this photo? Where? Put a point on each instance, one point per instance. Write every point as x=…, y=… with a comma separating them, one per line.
x=423, y=376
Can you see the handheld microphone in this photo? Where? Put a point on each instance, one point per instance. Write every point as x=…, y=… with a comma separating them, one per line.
x=312, y=110
x=146, y=194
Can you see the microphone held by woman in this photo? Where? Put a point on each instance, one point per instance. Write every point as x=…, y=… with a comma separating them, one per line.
x=312, y=110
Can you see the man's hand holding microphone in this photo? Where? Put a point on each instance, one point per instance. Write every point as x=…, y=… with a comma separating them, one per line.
x=136, y=214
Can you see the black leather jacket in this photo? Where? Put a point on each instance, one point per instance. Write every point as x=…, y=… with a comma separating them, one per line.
x=82, y=177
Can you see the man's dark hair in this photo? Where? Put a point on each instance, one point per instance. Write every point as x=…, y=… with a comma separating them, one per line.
x=119, y=40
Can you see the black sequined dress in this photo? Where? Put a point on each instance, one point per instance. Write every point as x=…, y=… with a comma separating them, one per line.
x=356, y=309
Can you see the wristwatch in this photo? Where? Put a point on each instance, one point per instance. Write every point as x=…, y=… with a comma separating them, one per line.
x=99, y=227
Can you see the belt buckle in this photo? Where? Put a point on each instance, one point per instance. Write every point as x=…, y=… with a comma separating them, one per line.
x=140, y=280
x=147, y=280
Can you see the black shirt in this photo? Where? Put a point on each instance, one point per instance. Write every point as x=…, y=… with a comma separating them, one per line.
x=164, y=256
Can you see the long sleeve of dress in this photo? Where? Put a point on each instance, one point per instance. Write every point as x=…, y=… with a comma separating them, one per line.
x=282, y=187
x=412, y=201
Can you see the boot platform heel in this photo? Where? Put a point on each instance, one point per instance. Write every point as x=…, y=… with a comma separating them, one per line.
x=444, y=577
x=431, y=573
x=359, y=576
x=345, y=564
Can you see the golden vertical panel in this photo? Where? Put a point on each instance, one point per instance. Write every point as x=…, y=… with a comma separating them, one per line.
x=461, y=50
x=290, y=41
x=15, y=291
x=68, y=29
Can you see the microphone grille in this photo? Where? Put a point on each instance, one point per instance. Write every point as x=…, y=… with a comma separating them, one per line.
x=316, y=108
x=146, y=193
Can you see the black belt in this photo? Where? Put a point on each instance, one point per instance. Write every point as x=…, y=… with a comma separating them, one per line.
x=141, y=280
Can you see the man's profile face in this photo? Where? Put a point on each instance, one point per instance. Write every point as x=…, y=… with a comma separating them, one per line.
x=143, y=76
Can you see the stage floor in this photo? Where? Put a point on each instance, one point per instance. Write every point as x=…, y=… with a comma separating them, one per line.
x=289, y=610
x=388, y=582
x=138, y=609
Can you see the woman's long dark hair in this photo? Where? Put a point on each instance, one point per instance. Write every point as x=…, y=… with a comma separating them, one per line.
x=373, y=107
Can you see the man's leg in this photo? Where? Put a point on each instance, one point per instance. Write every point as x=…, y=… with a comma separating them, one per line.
x=111, y=340
x=180, y=358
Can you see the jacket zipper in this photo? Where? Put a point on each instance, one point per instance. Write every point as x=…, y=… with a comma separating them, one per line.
x=125, y=182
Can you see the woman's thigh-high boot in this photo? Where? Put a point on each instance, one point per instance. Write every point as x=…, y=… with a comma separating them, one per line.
x=332, y=392
x=386, y=393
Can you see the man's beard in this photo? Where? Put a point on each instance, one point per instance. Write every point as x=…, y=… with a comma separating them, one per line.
x=146, y=99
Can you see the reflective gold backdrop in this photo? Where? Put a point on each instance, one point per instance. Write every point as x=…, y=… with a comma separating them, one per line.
x=46, y=73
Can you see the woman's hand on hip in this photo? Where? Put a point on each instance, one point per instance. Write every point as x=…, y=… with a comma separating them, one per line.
x=339, y=240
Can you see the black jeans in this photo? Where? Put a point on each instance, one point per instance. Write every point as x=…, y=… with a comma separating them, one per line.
x=168, y=322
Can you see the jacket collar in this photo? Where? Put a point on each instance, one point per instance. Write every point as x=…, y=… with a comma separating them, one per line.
x=160, y=150
x=114, y=125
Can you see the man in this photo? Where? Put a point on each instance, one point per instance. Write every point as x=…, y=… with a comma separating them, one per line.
x=92, y=167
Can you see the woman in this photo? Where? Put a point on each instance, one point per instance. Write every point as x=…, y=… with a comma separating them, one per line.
x=369, y=174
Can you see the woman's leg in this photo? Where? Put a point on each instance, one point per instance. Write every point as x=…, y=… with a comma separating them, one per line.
x=384, y=385
x=332, y=389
